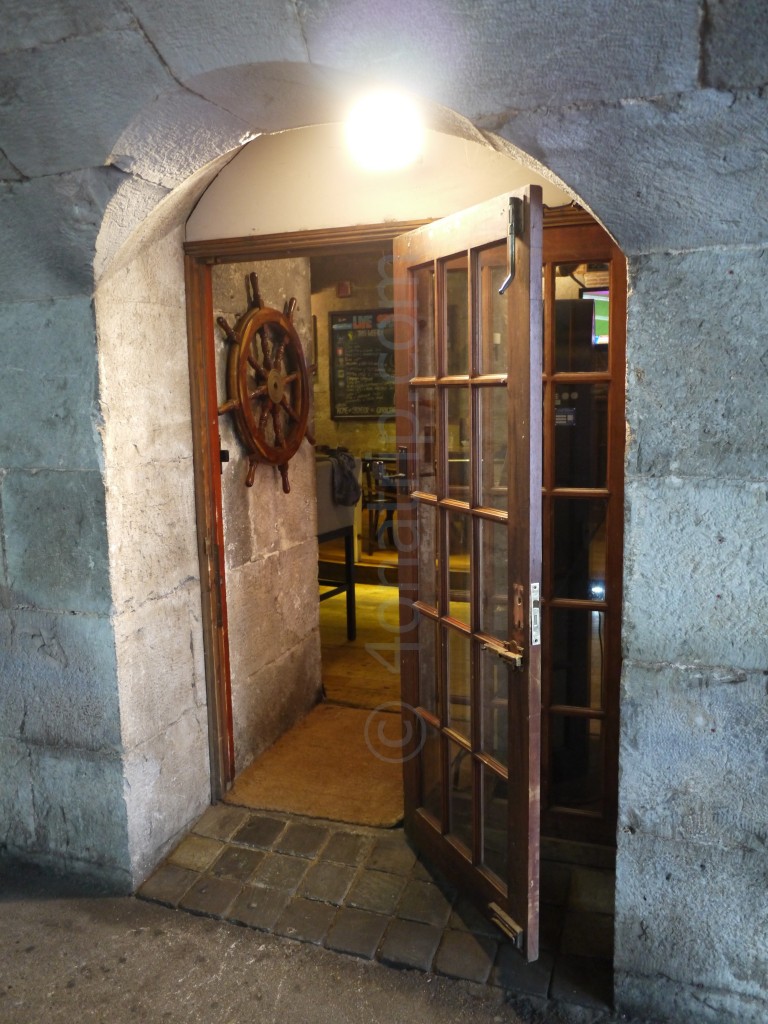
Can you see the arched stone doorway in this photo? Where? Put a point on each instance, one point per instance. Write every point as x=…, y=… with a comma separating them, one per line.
x=115, y=297
x=640, y=230
x=324, y=190
x=167, y=611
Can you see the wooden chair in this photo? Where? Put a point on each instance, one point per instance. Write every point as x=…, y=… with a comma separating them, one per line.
x=379, y=496
x=334, y=521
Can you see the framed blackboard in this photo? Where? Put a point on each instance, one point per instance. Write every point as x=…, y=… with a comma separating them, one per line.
x=362, y=345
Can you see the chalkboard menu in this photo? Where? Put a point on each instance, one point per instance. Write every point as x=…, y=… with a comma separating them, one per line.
x=362, y=344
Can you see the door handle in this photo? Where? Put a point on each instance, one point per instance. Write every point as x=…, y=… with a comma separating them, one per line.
x=403, y=483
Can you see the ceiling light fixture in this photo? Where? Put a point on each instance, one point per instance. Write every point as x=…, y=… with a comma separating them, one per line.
x=384, y=131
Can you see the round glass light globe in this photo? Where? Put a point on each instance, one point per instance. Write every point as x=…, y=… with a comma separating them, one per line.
x=384, y=131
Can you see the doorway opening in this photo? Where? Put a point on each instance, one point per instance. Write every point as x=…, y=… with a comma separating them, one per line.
x=571, y=258
x=354, y=406
x=581, y=446
x=584, y=271
x=351, y=296
x=299, y=739
x=583, y=496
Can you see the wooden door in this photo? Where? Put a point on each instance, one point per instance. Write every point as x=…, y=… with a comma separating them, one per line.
x=468, y=367
x=585, y=285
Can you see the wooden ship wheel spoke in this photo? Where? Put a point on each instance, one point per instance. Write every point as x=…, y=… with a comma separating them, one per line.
x=267, y=384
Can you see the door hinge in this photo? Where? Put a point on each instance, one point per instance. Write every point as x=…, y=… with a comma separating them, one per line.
x=506, y=924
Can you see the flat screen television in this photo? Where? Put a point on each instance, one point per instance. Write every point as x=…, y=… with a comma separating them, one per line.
x=599, y=299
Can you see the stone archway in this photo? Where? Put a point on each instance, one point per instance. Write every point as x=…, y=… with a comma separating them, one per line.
x=139, y=305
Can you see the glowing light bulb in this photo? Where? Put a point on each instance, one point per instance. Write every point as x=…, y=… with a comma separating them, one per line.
x=384, y=131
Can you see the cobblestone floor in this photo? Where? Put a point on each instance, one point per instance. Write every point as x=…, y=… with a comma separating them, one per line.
x=364, y=892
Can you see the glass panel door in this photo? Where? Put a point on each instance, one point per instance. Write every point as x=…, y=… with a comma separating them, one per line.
x=584, y=278
x=468, y=367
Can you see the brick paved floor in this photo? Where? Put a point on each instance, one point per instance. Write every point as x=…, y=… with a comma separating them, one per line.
x=364, y=892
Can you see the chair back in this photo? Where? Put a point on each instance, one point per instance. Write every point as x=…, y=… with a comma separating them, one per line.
x=379, y=484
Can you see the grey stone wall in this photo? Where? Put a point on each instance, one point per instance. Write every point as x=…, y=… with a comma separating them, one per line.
x=693, y=827
x=59, y=714
x=150, y=516
x=270, y=541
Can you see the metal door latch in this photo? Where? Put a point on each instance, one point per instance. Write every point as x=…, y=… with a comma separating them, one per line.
x=508, y=651
x=535, y=614
x=514, y=227
x=507, y=924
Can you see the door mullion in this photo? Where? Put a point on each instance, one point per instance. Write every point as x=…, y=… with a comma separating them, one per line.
x=476, y=574
x=443, y=596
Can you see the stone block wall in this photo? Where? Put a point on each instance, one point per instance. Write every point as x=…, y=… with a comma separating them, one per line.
x=61, y=783
x=692, y=925
x=151, y=525
x=270, y=540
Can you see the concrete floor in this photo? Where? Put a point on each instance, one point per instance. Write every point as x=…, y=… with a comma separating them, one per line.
x=69, y=952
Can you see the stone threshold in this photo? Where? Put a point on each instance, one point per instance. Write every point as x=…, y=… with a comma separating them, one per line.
x=364, y=892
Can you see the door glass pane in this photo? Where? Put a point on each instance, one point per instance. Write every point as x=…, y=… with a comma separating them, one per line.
x=426, y=518
x=577, y=762
x=457, y=402
x=492, y=406
x=428, y=665
x=458, y=475
x=492, y=268
x=424, y=291
x=424, y=403
x=581, y=435
x=494, y=683
x=495, y=817
x=459, y=565
x=579, y=548
x=457, y=316
x=458, y=675
x=431, y=773
x=460, y=767
x=494, y=592
x=577, y=657
x=581, y=317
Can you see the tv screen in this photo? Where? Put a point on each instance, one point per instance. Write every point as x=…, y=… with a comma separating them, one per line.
x=599, y=299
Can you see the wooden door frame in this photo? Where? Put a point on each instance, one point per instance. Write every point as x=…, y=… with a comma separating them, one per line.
x=584, y=240
x=199, y=259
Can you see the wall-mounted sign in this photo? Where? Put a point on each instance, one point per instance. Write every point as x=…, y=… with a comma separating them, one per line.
x=362, y=345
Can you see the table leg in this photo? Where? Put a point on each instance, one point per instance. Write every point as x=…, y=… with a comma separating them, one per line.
x=349, y=576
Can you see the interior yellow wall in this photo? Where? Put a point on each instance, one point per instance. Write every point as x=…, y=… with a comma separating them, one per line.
x=370, y=279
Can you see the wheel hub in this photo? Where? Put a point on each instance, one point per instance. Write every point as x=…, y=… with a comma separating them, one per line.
x=276, y=386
